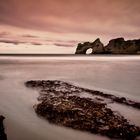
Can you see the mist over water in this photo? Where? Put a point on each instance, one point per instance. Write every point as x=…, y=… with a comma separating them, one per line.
x=119, y=76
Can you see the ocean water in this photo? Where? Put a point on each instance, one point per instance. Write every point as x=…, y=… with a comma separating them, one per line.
x=114, y=75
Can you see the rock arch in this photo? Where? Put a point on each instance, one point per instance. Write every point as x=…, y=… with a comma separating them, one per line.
x=115, y=46
x=96, y=46
x=89, y=51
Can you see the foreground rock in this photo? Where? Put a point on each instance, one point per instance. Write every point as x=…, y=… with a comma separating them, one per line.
x=115, y=46
x=2, y=133
x=83, y=109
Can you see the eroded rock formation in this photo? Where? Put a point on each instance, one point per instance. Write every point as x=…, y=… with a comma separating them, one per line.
x=67, y=105
x=96, y=46
x=115, y=46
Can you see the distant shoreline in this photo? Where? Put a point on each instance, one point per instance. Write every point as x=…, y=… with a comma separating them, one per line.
x=64, y=55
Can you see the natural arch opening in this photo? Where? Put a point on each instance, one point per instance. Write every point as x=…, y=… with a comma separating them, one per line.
x=89, y=51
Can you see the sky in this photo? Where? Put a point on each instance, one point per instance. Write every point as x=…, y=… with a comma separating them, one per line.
x=57, y=26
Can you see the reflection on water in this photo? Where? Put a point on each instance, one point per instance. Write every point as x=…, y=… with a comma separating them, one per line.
x=120, y=76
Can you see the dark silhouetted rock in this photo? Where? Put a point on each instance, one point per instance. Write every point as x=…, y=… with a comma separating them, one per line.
x=115, y=46
x=2, y=133
x=96, y=46
x=120, y=46
x=64, y=104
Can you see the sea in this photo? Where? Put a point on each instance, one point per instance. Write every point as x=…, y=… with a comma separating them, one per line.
x=117, y=75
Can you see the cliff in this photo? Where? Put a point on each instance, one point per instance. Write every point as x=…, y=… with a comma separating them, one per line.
x=115, y=46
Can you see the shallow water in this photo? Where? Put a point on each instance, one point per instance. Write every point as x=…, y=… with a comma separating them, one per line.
x=119, y=76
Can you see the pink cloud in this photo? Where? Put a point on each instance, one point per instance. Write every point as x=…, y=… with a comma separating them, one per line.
x=93, y=17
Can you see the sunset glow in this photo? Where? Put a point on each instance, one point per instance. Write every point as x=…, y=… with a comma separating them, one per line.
x=61, y=24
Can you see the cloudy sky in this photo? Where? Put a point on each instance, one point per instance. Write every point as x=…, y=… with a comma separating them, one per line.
x=58, y=25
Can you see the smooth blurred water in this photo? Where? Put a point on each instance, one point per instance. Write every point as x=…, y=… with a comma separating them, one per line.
x=120, y=76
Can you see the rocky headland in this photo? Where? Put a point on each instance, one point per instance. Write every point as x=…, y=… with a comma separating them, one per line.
x=83, y=109
x=115, y=46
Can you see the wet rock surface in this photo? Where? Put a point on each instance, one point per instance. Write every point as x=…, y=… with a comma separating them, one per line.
x=67, y=105
x=2, y=132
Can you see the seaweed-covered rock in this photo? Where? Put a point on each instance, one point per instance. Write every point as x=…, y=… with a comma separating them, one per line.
x=64, y=104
